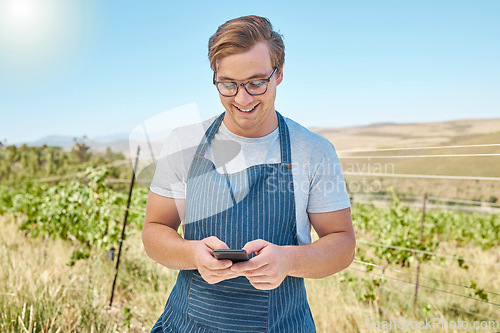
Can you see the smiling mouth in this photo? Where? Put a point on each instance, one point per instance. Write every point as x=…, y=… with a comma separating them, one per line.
x=247, y=110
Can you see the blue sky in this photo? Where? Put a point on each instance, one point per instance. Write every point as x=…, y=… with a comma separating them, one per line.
x=104, y=67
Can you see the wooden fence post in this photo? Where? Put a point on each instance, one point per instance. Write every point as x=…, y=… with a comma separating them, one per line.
x=418, y=265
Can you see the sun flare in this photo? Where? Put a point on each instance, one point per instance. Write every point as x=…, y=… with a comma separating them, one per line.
x=26, y=24
x=36, y=34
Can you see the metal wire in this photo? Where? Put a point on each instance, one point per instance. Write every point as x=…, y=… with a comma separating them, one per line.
x=425, y=277
x=427, y=287
x=415, y=204
x=408, y=295
x=401, y=175
x=429, y=198
x=417, y=156
x=417, y=148
x=482, y=203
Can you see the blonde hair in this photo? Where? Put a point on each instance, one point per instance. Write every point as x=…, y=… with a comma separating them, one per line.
x=240, y=35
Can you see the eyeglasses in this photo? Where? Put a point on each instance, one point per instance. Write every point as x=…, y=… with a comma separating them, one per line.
x=253, y=87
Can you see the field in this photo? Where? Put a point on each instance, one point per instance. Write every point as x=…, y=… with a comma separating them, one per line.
x=57, y=274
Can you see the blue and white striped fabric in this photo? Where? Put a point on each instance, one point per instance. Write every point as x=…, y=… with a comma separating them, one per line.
x=256, y=203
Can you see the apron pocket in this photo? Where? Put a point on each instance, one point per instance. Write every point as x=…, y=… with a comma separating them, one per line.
x=233, y=305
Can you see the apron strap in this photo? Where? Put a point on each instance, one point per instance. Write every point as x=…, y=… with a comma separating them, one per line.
x=209, y=135
x=285, y=146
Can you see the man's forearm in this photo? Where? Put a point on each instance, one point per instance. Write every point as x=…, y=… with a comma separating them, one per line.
x=164, y=245
x=326, y=256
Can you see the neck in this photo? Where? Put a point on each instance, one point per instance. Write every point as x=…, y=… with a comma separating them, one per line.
x=260, y=129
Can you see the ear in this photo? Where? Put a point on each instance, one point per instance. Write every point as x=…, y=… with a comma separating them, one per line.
x=279, y=78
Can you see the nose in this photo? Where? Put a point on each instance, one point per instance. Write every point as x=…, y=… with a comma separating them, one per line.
x=242, y=97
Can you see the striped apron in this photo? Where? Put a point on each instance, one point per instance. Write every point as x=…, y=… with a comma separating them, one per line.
x=257, y=202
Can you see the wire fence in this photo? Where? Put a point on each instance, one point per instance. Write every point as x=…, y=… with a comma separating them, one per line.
x=475, y=314
x=407, y=175
x=418, y=148
x=471, y=202
x=384, y=268
x=424, y=286
x=409, y=296
x=415, y=202
x=429, y=202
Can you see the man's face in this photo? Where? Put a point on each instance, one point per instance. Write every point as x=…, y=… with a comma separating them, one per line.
x=247, y=115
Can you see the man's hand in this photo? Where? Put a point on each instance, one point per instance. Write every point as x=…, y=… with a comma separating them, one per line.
x=268, y=268
x=212, y=270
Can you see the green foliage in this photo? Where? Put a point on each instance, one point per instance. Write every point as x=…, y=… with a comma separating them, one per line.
x=398, y=227
x=461, y=263
x=367, y=289
x=371, y=289
x=481, y=229
x=127, y=317
x=85, y=211
x=5, y=199
x=479, y=292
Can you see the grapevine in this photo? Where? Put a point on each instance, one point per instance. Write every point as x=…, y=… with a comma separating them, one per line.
x=85, y=211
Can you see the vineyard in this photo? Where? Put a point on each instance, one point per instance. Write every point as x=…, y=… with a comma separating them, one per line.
x=62, y=215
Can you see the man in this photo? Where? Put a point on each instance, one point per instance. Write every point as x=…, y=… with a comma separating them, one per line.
x=279, y=180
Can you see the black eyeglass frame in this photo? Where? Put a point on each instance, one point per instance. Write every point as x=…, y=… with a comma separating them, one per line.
x=243, y=84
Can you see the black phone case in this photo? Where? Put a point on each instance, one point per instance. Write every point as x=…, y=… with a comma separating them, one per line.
x=233, y=255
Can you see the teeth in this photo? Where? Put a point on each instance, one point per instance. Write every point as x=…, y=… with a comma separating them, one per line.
x=246, y=110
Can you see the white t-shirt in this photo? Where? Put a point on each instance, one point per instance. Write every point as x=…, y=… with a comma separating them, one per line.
x=318, y=181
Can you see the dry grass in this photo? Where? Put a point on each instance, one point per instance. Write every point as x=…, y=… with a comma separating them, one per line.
x=409, y=135
x=40, y=293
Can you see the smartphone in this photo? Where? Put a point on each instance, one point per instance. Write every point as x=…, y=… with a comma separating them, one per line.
x=233, y=255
